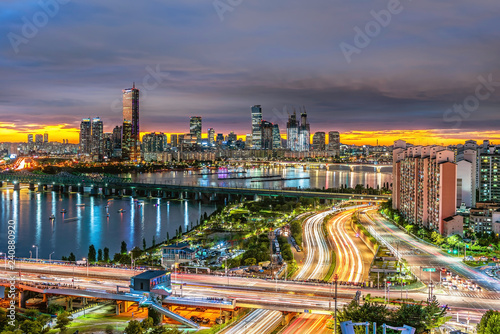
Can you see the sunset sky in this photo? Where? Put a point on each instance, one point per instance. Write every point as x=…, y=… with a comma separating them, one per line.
x=282, y=54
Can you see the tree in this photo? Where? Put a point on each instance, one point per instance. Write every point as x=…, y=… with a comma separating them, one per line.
x=147, y=323
x=123, y=248
x=63, y=320
x=168, y=237
x=371, y=312
x=166, y=330
x=434, y=314
x=106, y=254
x=109, y=329
x=31, y=326
x=411, y=315
x=250, y=261
x=154, y=241
x=92, y=254
x=72, y=257
x=55, y=309
x=155, y=316
x=144, y=243
x=134, y=327
x=489, y=320
x=99, y=255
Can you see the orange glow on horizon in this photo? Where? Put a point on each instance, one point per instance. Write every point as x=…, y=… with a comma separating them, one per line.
x=9, y=132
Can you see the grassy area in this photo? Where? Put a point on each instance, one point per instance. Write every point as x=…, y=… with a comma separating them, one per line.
x=98, y=320
x=330, y=272
x=475, y=264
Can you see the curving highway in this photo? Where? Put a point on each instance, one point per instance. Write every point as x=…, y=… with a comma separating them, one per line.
x=349, y=260
x=257, y=322
x=318, y=258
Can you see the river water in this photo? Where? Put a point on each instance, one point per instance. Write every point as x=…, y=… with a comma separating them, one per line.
x=82, y=226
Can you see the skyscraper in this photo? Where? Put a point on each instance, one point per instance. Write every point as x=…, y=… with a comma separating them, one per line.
x=256, y=123
x=211, y=136
x=131, y=117
x=195, y=127
x=38, y=139
x=276, y=136
x=97, y=149
x=85, y=136
x=173, y=140
x=126, y=140
x=45, y=137
x=30, y=138
x=266, y=135
x=319, y=141
x=117, y=142
x=292, y=133
x=304, y=133
x=334, y=142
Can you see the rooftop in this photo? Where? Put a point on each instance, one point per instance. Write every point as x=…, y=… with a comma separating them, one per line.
x=151, y=274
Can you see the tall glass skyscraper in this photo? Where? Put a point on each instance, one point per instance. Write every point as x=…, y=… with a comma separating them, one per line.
x=85, y=136
x=131, y=119
x=97, y=149
x=195, y=127
x=256, y=127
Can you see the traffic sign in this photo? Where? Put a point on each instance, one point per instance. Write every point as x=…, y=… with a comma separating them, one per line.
x=430, y=269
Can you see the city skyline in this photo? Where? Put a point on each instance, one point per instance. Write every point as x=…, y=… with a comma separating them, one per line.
x=409, y=71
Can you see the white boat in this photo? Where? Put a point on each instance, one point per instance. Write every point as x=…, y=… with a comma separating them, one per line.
x=52, y=217
x=121, y=211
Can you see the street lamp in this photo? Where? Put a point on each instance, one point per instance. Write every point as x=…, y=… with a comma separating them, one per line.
x=132, y=261
x=87, y=261
x=36, y=247
x=50, y=256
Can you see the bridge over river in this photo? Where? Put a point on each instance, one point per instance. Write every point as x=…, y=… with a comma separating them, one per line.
x=111, y=185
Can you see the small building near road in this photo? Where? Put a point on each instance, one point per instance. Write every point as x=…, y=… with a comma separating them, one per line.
x=151, y=280
x=177, y=253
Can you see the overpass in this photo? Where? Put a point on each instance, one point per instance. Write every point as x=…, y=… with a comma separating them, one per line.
x=110, y=185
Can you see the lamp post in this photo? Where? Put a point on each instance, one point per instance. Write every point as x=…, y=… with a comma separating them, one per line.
x=335, y=278
x=50, y=256
x=36, y=248
x=87, y=262
x=31, y=255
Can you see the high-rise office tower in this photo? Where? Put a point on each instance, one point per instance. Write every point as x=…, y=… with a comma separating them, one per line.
x=126, y=140
x=154, y=142
x=219, y=140
x=107, y=144
x=319, y=141
x=30, y=138
x=173, y=140
x=334, y=142
x=131, y=117
x=276, y=136
x=489, y=175
x=292, y=133
x=45, y=137
x=85, y=136
x=256, y=123
x=38, y=139
x=97, y=149
x=304, y=133
x=195, y=127
x=211, y=136
x=266, y=135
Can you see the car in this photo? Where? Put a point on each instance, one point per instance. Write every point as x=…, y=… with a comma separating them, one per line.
x=443, y=270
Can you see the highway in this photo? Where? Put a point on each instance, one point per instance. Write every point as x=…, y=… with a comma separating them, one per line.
x=257, y=322
x=266, y=293
x=318, y=256
x=349, y=261
x=308, y=323
x=421, y=254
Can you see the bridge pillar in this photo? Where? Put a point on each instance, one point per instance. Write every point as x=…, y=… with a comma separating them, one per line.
x=119, y=192
x=17, y=186
x=181, y=195
x=69, y=303
x=134, y=193
x=84, y=301
x=213, y=197
x=107, y=192
x=81, y=189
x=65, y=189
x=31, y=186
x=164, y=194
x=55, y=187
x=197, y=196
x=40, y=188
x=23, y=297
x=148, y=194
x=1, y=184
x=255, y=197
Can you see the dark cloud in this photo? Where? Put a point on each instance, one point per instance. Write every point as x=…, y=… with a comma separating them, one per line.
x=275, y=53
